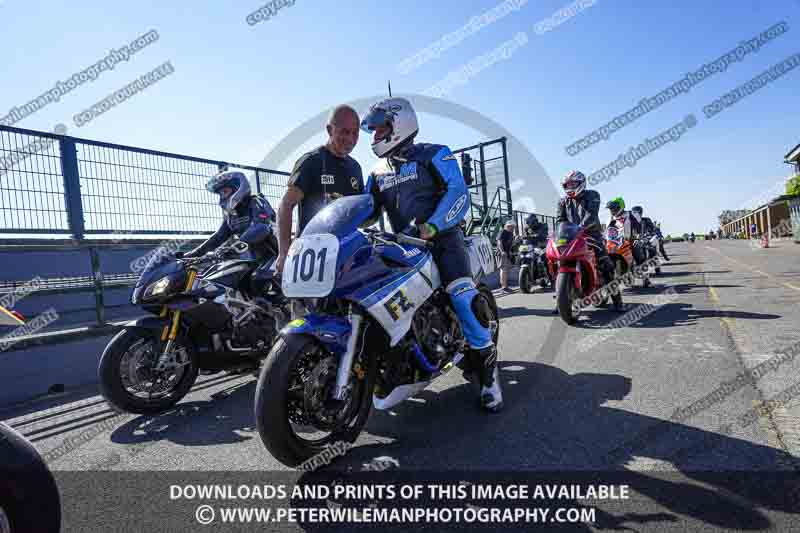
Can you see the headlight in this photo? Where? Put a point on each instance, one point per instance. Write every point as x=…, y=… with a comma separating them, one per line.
x=159, y=287
x=525, y=248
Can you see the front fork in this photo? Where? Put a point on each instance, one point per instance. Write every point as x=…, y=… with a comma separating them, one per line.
x=345, y=365
x=170, y=331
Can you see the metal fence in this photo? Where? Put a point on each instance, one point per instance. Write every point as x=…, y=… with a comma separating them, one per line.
x=487, y=164
x=53, y=185
x=520, y=216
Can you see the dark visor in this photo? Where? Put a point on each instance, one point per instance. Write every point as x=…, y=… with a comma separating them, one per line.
x=377, y=117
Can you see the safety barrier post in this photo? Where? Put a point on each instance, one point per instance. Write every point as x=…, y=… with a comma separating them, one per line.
x=72, y=187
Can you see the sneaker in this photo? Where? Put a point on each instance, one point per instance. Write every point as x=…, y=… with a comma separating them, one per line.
x=491, y=395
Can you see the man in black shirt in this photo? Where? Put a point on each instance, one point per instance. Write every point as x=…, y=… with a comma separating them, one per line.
x=320, y=176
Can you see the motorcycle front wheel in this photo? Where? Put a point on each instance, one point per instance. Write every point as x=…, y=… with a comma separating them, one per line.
x=565, y=296
x=295, y=417
x=128, y=380
x=525, y=279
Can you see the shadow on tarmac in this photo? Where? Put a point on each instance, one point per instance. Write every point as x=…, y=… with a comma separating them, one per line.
x=557, y=423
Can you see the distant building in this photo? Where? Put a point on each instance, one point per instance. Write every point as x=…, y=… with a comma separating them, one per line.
x=793, y=158
x=778, y=217
x=793, y=202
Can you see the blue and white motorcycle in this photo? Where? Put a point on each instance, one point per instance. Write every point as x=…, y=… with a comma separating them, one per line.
x=379, y=329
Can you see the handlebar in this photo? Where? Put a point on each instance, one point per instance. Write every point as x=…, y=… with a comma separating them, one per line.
x=399, y=238
x=422, y=243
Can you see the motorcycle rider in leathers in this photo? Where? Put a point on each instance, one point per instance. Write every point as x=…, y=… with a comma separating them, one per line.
x=536, y=236
x=248, y=216
x=535, y=232
x=647, y=228
x=422, y=190
x=581, y=206
x=623, y=220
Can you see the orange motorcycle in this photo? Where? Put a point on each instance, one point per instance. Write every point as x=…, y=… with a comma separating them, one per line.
x=620, y=251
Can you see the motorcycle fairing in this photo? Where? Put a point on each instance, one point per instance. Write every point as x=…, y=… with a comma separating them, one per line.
x=393, y=300
x=331, y=330
x=481, y=256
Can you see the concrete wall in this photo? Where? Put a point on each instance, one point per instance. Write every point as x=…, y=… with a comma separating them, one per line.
x=26, y=374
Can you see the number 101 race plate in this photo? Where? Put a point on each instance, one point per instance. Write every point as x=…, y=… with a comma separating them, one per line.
x=310, y=268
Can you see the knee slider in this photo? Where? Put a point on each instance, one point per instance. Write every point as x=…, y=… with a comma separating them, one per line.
x=466, y=296
x=482, y=309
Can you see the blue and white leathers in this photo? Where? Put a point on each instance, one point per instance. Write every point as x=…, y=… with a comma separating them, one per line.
x=406, y=187
x=462, y=293
x=424, y=184
x=388, y=282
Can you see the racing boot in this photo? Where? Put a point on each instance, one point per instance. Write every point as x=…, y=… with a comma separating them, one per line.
x=491, y=395
x=607, y=269
x=474, y=314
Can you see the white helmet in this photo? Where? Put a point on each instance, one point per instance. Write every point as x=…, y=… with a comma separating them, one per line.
x=574, y=183
x=401, y=119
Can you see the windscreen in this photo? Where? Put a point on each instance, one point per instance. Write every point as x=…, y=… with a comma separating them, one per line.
x=342, y=216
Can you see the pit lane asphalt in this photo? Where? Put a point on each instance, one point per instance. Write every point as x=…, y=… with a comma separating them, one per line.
x=566, y=409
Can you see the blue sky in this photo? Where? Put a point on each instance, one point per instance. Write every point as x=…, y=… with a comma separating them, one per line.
x=238, y=89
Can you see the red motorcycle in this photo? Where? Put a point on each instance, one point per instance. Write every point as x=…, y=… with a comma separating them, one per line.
x=572, y=259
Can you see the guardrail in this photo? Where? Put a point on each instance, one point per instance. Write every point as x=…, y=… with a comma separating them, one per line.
x=55, y=185
x=70, y=209
x=520, y=216
x=88, y=285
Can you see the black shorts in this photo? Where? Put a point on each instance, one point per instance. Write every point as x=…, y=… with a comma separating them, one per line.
x=450, y=254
